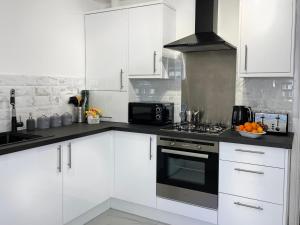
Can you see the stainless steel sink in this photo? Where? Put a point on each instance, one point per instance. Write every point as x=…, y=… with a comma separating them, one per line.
x=11, y=138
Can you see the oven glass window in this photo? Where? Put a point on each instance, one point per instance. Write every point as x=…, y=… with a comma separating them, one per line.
x=194, y=173
x=183, y=170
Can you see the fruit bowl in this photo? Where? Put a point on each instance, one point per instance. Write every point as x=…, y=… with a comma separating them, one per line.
x=251, y=130
x=251, y=135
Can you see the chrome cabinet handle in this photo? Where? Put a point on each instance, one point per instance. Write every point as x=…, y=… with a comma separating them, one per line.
x=59, y=158
x=174, y=152
x=249, y=171
x=70, y=155
x=154, y=61
x=248, y=206
x=121, y=79
x=249, y=151
x=246, y=58
x=150, y=156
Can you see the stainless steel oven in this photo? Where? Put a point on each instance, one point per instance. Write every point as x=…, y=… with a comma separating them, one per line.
x=187, y=171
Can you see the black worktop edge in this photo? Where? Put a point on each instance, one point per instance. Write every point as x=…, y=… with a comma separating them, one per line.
x=53, y=136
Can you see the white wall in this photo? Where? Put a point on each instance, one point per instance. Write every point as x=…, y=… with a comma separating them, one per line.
x=41, y=55
x=42, y=37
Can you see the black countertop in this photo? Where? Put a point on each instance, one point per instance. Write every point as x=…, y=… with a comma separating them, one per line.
x=55, y=135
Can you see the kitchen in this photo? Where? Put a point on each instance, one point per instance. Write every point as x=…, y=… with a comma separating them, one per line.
x=101, y=174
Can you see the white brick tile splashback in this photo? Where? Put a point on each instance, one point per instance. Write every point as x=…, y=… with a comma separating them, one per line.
x=39, y=95
x=267, y=94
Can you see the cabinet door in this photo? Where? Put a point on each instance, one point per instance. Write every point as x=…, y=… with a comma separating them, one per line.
x=107, y=50
x=87, y=174
x=135, y=168
x=145, y=40
x=31, y=187
x=266, y=37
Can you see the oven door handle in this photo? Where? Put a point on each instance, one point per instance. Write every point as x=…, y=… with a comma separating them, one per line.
x=191, y=154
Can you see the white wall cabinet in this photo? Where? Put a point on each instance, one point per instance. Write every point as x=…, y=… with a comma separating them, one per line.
x=31, y=187
x=88, y=172
x=128, y=41
x=106, y=37
x=150, y=27
x=266, y=38
x=135, y=168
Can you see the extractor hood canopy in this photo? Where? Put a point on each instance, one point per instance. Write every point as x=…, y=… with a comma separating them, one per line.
x=204, y=38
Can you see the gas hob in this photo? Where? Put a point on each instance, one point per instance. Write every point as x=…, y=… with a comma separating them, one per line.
x=203, y=128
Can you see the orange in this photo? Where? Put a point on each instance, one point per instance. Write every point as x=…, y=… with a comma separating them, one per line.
x=247, y=124
x=254, y=125
x=260, y=130
x=255, y=131
x=248, y=128
x=241, y=127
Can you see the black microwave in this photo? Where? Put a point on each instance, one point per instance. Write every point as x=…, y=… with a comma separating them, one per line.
x=150, y=113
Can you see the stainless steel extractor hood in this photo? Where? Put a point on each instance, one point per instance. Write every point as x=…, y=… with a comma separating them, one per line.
x=204, y=38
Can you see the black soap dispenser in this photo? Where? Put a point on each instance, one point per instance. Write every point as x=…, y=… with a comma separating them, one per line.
x=30, y=123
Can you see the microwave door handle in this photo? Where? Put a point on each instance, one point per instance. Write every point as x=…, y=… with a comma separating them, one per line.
x=191, y=154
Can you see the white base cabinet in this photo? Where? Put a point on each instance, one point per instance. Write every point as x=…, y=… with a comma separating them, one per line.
x=58, y=184
x=253, y=185
x=52, y=185
x=31, y=187
x=87, y=174
x=135, y=168
x=235, y=210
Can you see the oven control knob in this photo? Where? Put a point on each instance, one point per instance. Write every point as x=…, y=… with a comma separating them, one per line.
x=172, y=143
x=158, y=117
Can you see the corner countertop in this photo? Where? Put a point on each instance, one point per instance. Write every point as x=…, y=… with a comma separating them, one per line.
x=56, y=135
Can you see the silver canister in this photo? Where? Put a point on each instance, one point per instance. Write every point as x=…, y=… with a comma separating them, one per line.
x=43, y=122
x=55, y=121
x=78, y=114
x=67, y=119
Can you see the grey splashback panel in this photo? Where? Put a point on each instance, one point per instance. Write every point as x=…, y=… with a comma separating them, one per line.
x=210, y=84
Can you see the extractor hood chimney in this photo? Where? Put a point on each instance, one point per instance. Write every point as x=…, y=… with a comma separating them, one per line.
x=204, y=38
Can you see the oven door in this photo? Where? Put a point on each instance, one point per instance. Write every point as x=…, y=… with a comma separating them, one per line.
x=188, y=176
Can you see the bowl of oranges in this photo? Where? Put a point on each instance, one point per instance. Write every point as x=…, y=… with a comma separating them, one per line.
x=251, y=130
